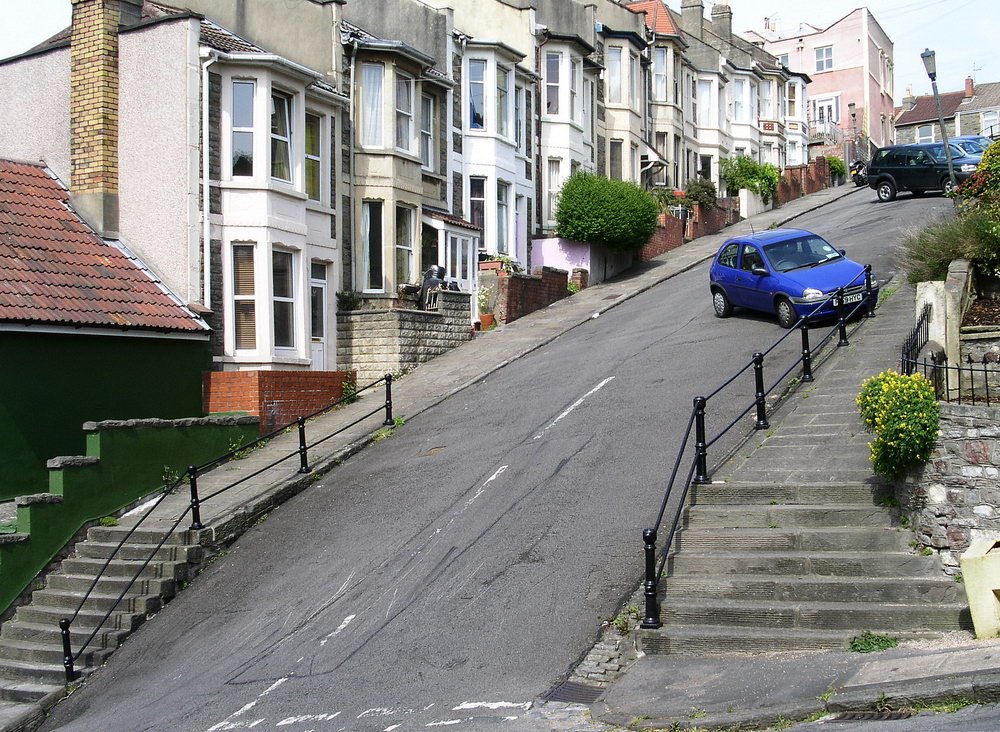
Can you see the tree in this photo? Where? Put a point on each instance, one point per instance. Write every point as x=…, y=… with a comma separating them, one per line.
x=618, y=214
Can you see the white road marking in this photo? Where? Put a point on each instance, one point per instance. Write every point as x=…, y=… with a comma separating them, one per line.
x=307, y=718
x=391, y=727
x=347, y=621
x=444, y=723
x=573, y=406
x=482, y=488
x=394, y=593
x=491, y=705
x=228, y=722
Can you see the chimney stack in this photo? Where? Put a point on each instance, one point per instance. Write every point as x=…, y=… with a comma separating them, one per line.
x=692, y=17
x=970, y=88
x=94, y=109
x=722, y=16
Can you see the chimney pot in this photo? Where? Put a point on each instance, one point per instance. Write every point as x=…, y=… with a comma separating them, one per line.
x=970, y=88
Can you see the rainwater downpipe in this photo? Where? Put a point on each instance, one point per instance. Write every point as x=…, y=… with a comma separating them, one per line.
x=208, y=58
x=352, y=97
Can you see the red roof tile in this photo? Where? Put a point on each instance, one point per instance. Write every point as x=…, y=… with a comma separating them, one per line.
x=657, y=17
x=925, y=109
x=54, y=269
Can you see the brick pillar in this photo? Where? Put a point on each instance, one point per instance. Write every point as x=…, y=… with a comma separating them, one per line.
x=94, y=109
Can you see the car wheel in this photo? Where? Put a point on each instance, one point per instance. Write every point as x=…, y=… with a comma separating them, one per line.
x=723, y=308
x=787, y=317
x=918, y=192
x=946, y=185
x=886, y=191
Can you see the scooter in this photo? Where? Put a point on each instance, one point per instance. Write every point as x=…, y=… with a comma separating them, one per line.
x=859, y=173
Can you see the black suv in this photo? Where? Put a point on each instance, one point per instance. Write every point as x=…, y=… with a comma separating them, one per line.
x=917, y=168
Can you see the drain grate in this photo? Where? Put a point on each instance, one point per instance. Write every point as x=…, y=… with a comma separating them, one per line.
x=573, y=691
x=871, y=716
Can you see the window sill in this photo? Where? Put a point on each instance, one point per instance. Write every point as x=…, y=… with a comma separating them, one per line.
x=319, y=207
x=271, y=186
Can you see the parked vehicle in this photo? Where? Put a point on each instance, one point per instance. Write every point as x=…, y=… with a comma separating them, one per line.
x=789, y=272
x=859, y=173
x=917, y=168
x=972, y=144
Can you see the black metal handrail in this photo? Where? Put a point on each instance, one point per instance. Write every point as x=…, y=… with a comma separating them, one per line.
x=698, y=471
x=193, y=507
x=916, y=340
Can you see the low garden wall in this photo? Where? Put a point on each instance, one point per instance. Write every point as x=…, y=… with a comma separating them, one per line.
x=669, y=234
x=124, y=461
x=955, y=497
x=374, y=343
x=565, y=254
x=519, y=294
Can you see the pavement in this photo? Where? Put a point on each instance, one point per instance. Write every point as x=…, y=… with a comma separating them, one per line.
x=655, y=691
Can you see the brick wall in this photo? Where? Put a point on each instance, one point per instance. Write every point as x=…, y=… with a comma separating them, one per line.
x=378, y=342
x=520, y=294
x=955, y=497
x=669, y=234
x=790, y=183
x=706, y=221
x=817, y=176
x=276, y=397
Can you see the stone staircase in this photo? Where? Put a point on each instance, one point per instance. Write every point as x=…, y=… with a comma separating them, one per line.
x=765, y=567
x=32, y=676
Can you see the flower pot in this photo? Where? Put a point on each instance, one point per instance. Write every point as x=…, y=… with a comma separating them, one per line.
x=486, y=321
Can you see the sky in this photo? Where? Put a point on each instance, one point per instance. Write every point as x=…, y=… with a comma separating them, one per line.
x=961, y=32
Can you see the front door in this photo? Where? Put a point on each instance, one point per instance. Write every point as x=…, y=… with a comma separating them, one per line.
x=459, y=258
x=317, y=309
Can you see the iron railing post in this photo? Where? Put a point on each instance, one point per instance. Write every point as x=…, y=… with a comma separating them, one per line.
x=71, y=674
x=388, y=401
x=841, y=319
x=652, y=619
x=700, y=447
x=869, y=292
x=303, y=455
x=196, y=524
x=807, y=369
x=758, y=378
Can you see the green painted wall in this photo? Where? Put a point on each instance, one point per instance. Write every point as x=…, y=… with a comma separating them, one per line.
x=131, y=465
x=51, y=384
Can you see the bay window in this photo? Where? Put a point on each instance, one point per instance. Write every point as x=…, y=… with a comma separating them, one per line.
x=404, y=112
x=615, y=162
x=503, y=211
x=371, y=241
x=244, y=304
x=281, y=136
x=552, y=63
x=477, y=94
x=372, y=79
x=313, y=157
x=404, y=244
x=554, y=180
x=283, y=298
x=575, y=76
x=660, y=74
x=242, y=135
x=614, y=75
x=633, y=82
x=503, y=93
x=427, y=132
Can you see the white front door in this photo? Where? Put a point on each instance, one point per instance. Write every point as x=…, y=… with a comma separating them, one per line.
x=459, y=259
x=317, y=308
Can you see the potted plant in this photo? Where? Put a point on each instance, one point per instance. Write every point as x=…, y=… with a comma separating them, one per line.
x=486, y=317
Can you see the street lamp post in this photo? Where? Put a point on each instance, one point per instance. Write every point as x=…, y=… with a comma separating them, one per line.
x=853, y=109
x=930, y=65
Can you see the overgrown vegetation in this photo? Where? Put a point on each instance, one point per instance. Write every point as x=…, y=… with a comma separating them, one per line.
x=743, y=172
x=108, y=521
x=572, y=288
x=615, y=213
x=902, y=412
x=348, y=300
x=701, y=191
x=836, y=165
x=869, y=642
x=973, y=234
x=626, y=620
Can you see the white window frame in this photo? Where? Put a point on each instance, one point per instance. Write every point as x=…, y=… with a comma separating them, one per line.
x=703, y=105
x=288, y=299
x=404, y=244
x=277, y=139
x=427, y=151
x=635, y=100
x=553, y=91
x=990, y=119
x=478, y=202
x=518, y=119
x=765, y=101
x=739, y=101
x=481, y=85
x=372, y=104
x=824, y=58
x=783, y=59
x=244, y=297
x=616, y=156
x=367, y=244
x=553, y=181
x=924, y=133
x=614, y=60
x=237, y=129
x=660, y=74
x=503, y=216
x=792, y=100
x=315, y=158
x=575, y=77
x=503, y=100
x=403, y=133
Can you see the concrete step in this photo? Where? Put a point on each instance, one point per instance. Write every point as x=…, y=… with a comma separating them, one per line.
x=824, y=616
x=728, y=493
x=48, y=653
x=140, y=552
x=838, y=564
x=118, y=568
x=32, y=692
x=31, y=672
x=49, y=634
x=930, y=590
x=838, y=538
x=152, y=537
x=716, y=639
x=164, y=587
x=97, y=602
x=757, y=516
x=42, y=615
x=20, y=716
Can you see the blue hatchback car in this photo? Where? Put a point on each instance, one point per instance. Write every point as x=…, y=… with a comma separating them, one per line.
x=789, y=272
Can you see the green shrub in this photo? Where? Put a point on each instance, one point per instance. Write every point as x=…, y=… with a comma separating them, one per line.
x=615, y=213
x=869, y=642
x=837, y=166
x=701, y=191
x=743, y=172
x=974, y=235
x=902, y=412
x=348, y=300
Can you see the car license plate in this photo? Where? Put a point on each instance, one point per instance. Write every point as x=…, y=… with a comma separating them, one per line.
x=856, y=297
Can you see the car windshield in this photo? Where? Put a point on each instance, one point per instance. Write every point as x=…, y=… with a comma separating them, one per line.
x=969, y=147
x=806, y=251
x=937, y=151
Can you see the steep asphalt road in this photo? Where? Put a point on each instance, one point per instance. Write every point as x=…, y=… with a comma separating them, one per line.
x=448, y=575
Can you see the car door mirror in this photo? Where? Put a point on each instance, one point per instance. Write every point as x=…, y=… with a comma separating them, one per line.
x=843, y=252
x=759, y=271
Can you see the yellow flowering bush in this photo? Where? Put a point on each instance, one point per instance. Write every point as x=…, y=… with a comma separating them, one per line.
x=902, y=412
